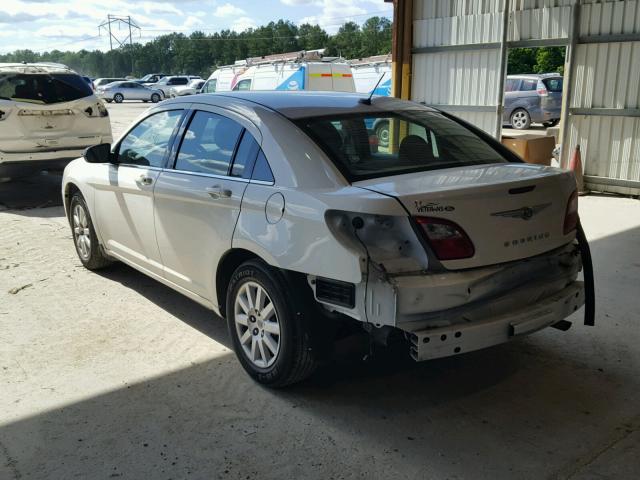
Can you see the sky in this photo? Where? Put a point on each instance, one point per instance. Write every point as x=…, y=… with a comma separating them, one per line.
x=42, y=25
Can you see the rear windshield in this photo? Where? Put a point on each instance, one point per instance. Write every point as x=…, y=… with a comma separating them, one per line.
x=43, y=88
x=553, y=84
x=391, y=143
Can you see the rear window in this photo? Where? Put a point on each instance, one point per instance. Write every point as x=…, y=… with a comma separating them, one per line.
x=553, y=84
x=377, y=145
x=43, y=88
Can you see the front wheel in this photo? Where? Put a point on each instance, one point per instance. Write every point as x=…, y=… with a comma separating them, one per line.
x=270, y=339
x=118, y=98
x=155, y=98
x=84, y=235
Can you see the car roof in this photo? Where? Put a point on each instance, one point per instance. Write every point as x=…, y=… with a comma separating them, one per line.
x=535, y=75
x=35, y=68
x=300, y=104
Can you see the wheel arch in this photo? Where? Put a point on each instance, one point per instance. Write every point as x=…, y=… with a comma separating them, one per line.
x=69, y=189
x=228, y=264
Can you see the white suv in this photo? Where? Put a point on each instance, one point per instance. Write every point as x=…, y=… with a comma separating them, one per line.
x=48, y=116
x=280, y=212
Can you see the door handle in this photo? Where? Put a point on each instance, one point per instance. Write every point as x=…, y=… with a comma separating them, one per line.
x=218, y=192
x=144, y=180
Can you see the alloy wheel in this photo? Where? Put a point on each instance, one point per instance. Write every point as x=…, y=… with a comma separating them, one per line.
x=519, y=119
x=257, y=325
x=81, y=232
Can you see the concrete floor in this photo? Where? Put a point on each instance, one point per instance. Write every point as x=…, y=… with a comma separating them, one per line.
x=113, y=375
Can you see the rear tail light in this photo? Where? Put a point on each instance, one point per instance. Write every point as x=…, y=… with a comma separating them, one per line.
x=97, y=110
x=542, y=91
x=571, y=215
x=447, y=239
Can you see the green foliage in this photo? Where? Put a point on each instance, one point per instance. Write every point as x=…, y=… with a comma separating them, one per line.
x=536, y=60
x=200, y=53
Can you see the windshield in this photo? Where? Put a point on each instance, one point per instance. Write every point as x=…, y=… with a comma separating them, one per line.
x=391, y=143
x=43, y=88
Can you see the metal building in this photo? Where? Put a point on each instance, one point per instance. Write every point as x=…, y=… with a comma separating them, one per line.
x=452, y=54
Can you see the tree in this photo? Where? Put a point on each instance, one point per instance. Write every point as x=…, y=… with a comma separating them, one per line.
x=376, y=36
x=199, y=52
x=312, y=37
x=347, y=42
x=549, y=60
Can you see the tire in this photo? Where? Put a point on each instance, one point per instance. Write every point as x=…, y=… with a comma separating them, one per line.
x=552, y=123
x=520, y=119
x=108, y=100
x=382, y=132
x=155, y=98
x=84, y=235
x=118, y=98
x=270, y=358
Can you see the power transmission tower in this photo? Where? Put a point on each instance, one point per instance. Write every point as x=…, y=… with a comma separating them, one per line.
x=120, y=21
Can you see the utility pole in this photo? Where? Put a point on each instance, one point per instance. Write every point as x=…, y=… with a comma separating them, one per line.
x=120, y=21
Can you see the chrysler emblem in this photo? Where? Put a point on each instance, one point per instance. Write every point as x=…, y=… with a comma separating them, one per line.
x=525, y=213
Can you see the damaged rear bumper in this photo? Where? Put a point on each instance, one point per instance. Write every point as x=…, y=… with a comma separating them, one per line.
x=459, y=338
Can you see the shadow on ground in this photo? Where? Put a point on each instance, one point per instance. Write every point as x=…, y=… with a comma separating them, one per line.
x=553, y=405
x=32, y=192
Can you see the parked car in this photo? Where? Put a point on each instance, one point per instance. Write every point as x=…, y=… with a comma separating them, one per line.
x=191, y=88
x=128, y=90
x=151, y=78
x=165, y=84
x=532, y=99
x=311, y=75
x=48, y=116
x=99, y=82
x=276, y=211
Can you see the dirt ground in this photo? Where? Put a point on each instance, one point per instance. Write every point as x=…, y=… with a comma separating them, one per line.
x=112, y=375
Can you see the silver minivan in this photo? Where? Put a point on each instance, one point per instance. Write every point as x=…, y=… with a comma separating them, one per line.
x=532, y=99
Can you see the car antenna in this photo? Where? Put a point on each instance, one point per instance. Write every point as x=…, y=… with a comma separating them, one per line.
x=367, y=101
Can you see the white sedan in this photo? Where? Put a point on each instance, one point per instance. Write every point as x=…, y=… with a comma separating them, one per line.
x=280, y=212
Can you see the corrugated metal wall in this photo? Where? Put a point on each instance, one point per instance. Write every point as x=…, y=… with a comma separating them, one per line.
x=465, y=79
x=607, y=76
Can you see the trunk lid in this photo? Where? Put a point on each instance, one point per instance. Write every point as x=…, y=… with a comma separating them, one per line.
x=509, y=211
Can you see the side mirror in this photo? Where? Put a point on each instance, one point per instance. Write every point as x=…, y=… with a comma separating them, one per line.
x=98, y=153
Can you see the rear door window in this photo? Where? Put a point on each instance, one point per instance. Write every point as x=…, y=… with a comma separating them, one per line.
x=529, y=85
x=43, y=88
x=147, y=143
x=208, y=144
x=262, y=170
x=245, y=156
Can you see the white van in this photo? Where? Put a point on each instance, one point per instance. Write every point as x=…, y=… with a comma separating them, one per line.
x=367, y=73
x=224, y=78
x=323, y=76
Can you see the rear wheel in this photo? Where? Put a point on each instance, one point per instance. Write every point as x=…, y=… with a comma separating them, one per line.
x=155, y=98
x=552, y=123
x=269, y=336
x=520, y=119
x=84, y=235
x=118, y=98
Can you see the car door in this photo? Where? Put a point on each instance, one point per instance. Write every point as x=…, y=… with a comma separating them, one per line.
x=138, y=92
x=124, y=190
x=197, y=202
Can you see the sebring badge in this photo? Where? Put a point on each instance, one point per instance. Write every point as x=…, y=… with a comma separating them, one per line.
x=525, y=213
